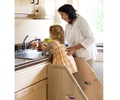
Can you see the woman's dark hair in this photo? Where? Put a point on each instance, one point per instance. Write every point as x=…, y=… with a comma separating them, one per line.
x=69, y=9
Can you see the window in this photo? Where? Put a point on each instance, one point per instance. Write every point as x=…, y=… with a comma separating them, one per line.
x=92, y=10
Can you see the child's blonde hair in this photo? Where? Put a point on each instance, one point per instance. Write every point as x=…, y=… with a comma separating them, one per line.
x=58, y=33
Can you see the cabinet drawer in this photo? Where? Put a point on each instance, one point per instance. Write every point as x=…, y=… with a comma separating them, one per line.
x=28, y=76
x=34, y=92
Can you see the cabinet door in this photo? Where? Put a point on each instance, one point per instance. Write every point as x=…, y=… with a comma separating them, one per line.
x=44, y=9
x=34, y=92
x=24, y=6
x=31, y=75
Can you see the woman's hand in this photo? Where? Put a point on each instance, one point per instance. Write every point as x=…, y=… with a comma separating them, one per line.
x=70, y=50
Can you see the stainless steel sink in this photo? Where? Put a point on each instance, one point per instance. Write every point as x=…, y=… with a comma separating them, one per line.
x=29, y=54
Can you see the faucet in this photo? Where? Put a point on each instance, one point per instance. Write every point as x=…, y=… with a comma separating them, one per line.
x=24, y=46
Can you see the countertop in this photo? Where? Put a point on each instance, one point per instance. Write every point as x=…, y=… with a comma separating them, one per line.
x=23, y=63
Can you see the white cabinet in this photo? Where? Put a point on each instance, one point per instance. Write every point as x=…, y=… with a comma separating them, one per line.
x=24, y=6
x=36, y=8
x=45, y=9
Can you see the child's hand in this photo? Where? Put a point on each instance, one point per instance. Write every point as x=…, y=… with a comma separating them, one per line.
x=34, y=45
x=41, y=46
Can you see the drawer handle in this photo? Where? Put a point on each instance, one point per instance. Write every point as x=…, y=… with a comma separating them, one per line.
x=87, y=83
x=70, y=97
x=37, y=2
x=32, y=1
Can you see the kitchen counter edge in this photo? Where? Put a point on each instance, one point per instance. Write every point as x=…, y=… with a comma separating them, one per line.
x=33, y=62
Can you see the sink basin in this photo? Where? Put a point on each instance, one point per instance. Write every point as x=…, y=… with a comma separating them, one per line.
x=29, y=54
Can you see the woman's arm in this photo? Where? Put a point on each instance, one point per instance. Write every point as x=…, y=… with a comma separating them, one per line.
x=86, y=32
x=71, y=50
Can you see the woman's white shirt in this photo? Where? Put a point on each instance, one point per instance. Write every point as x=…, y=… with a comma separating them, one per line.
x=80, y=32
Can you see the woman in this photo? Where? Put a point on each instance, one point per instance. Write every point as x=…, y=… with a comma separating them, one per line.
x=78, y=35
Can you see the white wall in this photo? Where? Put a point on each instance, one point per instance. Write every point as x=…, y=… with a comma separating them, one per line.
x=37, y=28
x=33, y=28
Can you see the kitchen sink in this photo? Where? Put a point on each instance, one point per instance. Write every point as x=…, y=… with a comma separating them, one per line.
x=29, y=54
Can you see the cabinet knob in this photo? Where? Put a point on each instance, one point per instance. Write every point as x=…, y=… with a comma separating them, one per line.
x=37, y=10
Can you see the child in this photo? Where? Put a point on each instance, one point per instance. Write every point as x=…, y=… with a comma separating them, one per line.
x=58, y=48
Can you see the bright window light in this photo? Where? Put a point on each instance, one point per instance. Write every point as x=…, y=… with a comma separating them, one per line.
x=92, y=11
